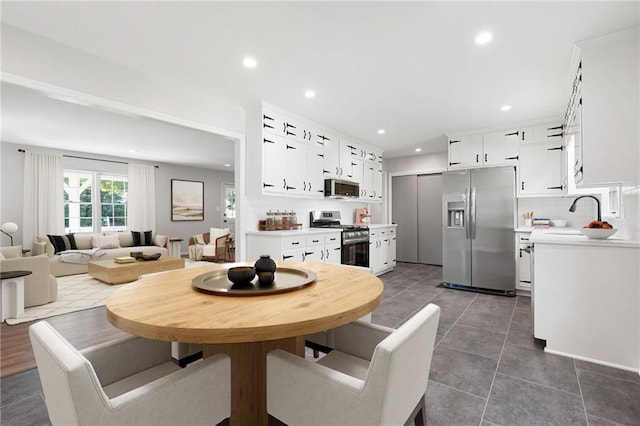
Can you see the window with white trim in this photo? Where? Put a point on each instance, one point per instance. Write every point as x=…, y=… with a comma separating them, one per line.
x=87, y=209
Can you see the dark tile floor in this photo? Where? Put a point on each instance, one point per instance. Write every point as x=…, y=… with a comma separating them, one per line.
x=486, y=369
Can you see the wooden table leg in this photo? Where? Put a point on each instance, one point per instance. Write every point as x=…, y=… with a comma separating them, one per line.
x=249, y=376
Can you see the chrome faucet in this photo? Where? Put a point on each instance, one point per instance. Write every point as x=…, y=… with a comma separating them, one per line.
x=573, y=205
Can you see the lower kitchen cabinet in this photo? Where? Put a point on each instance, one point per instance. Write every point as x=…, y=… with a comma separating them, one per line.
x=523, y=261
x=302, y=246
x=382, y=249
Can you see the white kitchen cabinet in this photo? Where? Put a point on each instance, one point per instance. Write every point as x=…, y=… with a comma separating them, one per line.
x=274, y=150
x=287, y=155
x=465, y=152
x=382, y=249
x=523, y=264
x=377, y=182
x=542, y=170
x=551, y=133
x=610, y=108
x=501, y=148
x=586, y=299
x=367, y=190
x=312, y=246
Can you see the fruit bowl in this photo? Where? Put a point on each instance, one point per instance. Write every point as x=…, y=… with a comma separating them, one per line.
x=598, y=233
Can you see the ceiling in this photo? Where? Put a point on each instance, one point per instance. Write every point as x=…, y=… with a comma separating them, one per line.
x=31, y=117
x=411, y=68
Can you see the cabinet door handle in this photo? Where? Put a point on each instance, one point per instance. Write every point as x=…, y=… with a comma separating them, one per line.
x=559, y=148
x=485, y=158
x=522, y=135
x=454, y=163
x=522, y=186
x=264, y=116
x=309, y=186
x=287, y=125
x=512, y=134
x=267, y=126
x=315, y=241
x=320, y=155
x=340, y=171
x=561, y=187
x=284, y=257
x=267, y=185
x=291, y=147
x=308, y=253
x=556, y=135
x=511, y=158
x=284, y=184
x=332, y=239
x=354, y=164
x=267, y=141
x=477, y=158
x=295, y=243
x=452, y=142
x=304, y=183
x=555, y=128
x=321, y=254
x=326, y=171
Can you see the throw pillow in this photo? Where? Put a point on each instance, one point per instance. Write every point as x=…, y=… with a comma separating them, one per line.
x=1, y=256
x=160, y=240
x=215, y=233
x=105, y=241
x=142, y=238
x=62, y=242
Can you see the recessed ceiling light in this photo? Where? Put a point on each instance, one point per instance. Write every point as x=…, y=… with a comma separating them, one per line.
x=132, y=150
x=250, y=62
x=484, y=37
x=381, y=132
x=418, y=149
x=227, y=165
x=505, y=108
x=310, y=94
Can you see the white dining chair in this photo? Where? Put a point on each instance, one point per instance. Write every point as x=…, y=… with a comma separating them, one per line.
x=129, y=381
x=375, y=375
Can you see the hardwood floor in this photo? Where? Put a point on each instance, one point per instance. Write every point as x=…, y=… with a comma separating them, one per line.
x=82, y=329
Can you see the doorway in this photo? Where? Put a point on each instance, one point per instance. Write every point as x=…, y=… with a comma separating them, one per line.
x=229, y=207
x=417, y=209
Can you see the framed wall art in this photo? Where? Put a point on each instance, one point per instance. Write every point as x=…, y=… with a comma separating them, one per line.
x=187, y=200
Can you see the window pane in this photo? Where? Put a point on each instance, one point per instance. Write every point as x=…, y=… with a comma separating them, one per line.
x=85, y=195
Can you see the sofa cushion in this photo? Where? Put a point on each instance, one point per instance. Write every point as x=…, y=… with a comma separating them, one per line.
x=142, y=238
x=125, y=238
x=62, y=242
x=105, y=241
x=83, y=240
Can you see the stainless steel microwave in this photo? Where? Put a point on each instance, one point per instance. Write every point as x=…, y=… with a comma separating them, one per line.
x=341, y=189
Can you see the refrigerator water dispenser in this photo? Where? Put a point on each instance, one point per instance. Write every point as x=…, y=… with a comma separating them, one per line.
x=455, y=216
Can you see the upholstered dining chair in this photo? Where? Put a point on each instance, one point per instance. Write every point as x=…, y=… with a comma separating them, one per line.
x=130, y=381
x=210, y=246
x=374, y=376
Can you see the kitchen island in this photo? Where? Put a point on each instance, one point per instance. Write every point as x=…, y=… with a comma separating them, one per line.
x=586, y=297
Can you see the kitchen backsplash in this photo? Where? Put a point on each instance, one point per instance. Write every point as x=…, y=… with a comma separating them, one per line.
x=558, y=208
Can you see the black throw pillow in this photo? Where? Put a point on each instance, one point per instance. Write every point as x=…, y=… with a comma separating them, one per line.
x=142, y=238
x=62, y=242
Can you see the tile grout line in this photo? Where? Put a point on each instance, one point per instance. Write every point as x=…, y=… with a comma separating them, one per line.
x=539, y=384
x=456, y=321
x=457, y=390
x=495, y=373
x=584, y=406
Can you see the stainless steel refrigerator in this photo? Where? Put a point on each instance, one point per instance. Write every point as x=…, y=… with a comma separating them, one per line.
x=478, y=223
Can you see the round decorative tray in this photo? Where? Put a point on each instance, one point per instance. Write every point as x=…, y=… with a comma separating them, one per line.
x=286, y=279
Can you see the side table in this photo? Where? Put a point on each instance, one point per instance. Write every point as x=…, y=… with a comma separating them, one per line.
x=175, y=247
x=12, y=295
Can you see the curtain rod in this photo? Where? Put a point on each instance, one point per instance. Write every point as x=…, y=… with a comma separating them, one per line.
x=93, y=159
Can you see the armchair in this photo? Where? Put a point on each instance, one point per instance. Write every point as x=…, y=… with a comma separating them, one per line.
x=374, y=376
x=40, y=287
x=130, y=381
x=210, y=246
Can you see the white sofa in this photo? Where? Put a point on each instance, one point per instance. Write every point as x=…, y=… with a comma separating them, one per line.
x=83, y=240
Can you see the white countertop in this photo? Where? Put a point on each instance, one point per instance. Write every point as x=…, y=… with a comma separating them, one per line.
x=381, y=225
x=294, y=232
x=573, y=236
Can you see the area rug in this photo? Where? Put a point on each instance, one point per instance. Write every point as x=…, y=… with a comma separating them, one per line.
x=75, y=293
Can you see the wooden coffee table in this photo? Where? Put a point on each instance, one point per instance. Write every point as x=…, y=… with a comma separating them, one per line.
x=117, y=273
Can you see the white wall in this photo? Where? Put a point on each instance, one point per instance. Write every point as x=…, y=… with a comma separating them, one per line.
x=415, y=164
x=11, y=177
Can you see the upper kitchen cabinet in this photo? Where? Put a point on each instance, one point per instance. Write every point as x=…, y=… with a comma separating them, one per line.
x=465, y=152
x=288, y=155
x=610, y=135
x=545, y=133
x=501, y=148
x=541, y=170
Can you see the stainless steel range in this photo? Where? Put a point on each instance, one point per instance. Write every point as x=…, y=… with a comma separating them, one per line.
x=355, y=238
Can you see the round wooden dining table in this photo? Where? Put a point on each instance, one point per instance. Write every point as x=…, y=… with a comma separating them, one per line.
x=167, y=307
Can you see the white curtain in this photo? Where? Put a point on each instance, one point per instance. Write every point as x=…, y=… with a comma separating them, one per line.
x=141, y=199
x=43, y=192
